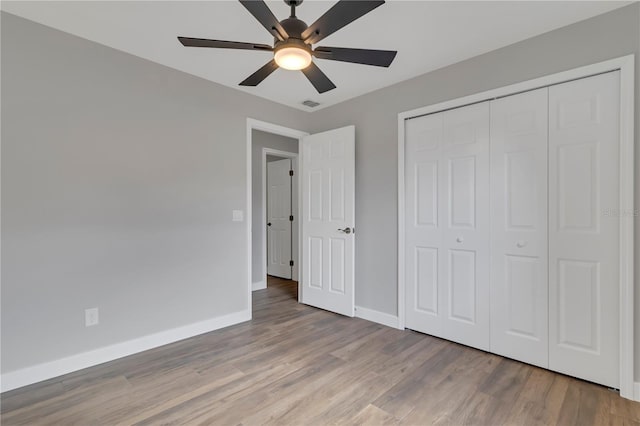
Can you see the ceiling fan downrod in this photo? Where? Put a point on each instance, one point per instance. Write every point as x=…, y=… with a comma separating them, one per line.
x=293, y=4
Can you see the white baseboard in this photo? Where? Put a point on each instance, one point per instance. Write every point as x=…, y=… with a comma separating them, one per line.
x=377, y=316
x=258, y=285
x=636, y=391
x=48, y=370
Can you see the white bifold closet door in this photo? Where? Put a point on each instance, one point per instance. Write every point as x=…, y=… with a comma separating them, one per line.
x=447, y=224
x=519, y=255
x=584, y=228
x=519, y=297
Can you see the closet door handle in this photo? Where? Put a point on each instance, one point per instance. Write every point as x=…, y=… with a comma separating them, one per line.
x=521, y=244
x=459, y=239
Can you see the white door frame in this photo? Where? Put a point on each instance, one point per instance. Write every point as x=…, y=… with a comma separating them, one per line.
x=294, y=166
x=253, y=124
x=625, y=65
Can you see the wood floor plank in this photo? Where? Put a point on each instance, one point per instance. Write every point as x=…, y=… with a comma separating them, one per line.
x=570, y=409
x=326, y=395
x=296, y=365
x=153, y=410
x=400, y=366
x=29, y=395
x=71, y=406
x=625, y=409
x=371, y=415
x=267, y=401
x=541, y=398
x=453, y=396
x=621, y=421
x=405, y=395
x=479, y=408
x=419, y=388
x=507, y=380
x=351, y=399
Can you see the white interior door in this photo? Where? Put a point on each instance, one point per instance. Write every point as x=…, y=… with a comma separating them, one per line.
x=519, y=296
x=584, y=228
x=328, y=220
x=447, y=225
x=278, y=218
x=465, y=206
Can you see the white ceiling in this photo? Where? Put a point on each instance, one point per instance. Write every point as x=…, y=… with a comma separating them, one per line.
x=427, y=34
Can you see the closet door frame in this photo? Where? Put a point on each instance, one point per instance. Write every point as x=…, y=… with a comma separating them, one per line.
x=625, y=64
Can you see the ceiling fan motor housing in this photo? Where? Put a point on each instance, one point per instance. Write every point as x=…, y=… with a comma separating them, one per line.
x=294, y=27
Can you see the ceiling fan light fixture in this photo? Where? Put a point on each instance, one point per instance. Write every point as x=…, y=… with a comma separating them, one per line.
x=293, y=40
x=292, y=58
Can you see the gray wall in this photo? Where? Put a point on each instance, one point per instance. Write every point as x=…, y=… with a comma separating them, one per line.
x=119, y=177
x=263, y=140
x=375, y=116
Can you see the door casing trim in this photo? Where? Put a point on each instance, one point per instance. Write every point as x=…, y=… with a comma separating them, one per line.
x=253, y=124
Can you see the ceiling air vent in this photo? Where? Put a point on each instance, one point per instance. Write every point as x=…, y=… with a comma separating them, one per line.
x=310, y=103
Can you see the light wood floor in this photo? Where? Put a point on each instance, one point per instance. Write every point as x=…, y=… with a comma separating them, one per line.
x=296, y=365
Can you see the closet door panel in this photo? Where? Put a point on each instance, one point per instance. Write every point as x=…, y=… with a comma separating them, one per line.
x=584, y=228
x=447, y=225
x=423, y=237
x=464, y=278
x=519, y=307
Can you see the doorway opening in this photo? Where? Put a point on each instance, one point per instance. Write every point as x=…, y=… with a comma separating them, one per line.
x=326, y=242
x=273, y=206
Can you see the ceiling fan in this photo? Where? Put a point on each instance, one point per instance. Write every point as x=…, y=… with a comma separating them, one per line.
x=293, y=41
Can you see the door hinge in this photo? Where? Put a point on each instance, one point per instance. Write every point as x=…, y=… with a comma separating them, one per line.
x=291, y=218
x=291, y=263
x=290, y=172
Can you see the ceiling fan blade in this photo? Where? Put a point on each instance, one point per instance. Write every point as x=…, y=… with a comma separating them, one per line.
x=319, y=80
x=342, y=13
x=260, y=11
x=378, y=58
x=264, y=72
x=222, y=44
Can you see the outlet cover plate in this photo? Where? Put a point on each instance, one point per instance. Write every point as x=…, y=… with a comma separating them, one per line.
x=91, y=317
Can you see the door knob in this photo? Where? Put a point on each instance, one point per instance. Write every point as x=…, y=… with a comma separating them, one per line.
x=345, y=230
x=269, y=224
x=459, y=239
x=521, y=244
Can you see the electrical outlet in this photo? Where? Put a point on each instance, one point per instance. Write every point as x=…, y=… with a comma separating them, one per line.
x=91, y=317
